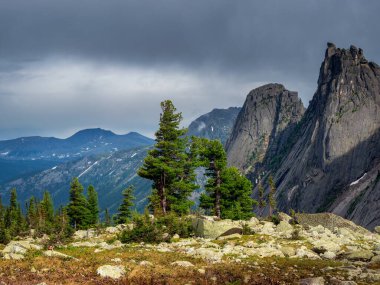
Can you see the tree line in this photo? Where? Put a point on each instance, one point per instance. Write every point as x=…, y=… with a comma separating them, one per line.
x=41, y=218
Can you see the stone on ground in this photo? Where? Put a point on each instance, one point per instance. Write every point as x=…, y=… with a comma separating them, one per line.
x=111, y=271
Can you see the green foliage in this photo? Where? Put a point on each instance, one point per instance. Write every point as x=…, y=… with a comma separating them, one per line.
x=271, y=198
x=78, y=212
x=261, y=203
x=247, y=230
x=156, y=230
x=275, y=219
x=169, y=165
x=93, y=205
x=125, y=212
x=107, y=218
x=228, y=192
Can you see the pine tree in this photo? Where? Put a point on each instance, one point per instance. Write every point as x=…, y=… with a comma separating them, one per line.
x=168, y=164
x=12, y=215
x=125, y=212
x=236, y=195
x=271, y=198
x=107, y=218
x=93, y=204
x=262, y=203
x=77, y=210
x=213, y=156
x=47, y=208
x=32, y=213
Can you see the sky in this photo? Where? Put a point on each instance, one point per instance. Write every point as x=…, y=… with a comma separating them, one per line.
x=76, y=64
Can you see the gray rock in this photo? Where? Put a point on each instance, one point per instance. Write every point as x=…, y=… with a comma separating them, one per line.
x=182, y=263
x=288, y=251
x=209, y=228
x=329, y=163
x=360, y=255
x=313, y=281
x=266, y=114
x=377, y=229
x=111, y=271
x=53, y=253
x=376, y=259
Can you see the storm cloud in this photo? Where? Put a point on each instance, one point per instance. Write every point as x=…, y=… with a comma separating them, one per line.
x=69, y=65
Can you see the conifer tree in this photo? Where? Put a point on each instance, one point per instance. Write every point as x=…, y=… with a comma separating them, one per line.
x=213, y=157
x=107, y=218
x=77, y=210
x=236, y=192
x=125, y=212
x=271, y=197
x=168, y=165
x=261, y=203
x=93, y=204
x=47, y=208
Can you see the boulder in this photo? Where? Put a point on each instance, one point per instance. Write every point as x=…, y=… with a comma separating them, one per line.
x=182, y=263
x=376, y=259
x=146, y=263
x=284, y=217
x=360, y=255
x=208, y=254
x=111, y=271
x=313, y=281
x=284, y=228
x=53, y=253
x=377, y=229
x=288, y=251
x=209, y=228
x=83, y=234
x=329, y=255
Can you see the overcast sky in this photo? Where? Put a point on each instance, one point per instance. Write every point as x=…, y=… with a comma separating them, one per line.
x=75, y=64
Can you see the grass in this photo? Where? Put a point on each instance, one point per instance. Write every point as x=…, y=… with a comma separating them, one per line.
x=37, y=268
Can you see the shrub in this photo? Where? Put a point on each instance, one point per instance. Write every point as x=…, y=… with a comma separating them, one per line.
x=246, y=230
x=146, y=229
x=275, y=219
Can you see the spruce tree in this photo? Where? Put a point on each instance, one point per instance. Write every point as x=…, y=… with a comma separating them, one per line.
x=107, y=218
x=168, y=164
x=77, y=209
x=236, y=192
x=93, y=204
x=125, y=212
x=212, y=156
x=47, y=208
x=271, y=197
x=262, y=203
x=32, y=213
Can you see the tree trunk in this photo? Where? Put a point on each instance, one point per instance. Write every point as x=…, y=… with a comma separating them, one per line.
x=217, y=194
x=161, y=193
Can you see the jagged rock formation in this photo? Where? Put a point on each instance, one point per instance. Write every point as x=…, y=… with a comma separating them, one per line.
x=267, y=118
x=332, y=159
x=216, y=124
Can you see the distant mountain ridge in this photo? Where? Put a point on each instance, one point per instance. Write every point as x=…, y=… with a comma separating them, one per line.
x=83, y=143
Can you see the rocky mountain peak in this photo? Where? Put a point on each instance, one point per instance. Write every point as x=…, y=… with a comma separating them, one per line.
x=337, y=141
x=261, y=125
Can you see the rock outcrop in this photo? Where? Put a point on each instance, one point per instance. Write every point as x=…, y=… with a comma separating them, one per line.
x=267, y=118
x=332, y=160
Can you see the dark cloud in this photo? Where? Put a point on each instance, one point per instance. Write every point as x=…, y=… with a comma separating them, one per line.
x=53, y=54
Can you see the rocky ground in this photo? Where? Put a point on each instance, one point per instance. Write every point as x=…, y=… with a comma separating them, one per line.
x=321, y=249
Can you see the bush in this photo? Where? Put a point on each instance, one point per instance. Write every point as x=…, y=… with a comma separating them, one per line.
x=146, y=229
x=275, y=219
x=246, y=230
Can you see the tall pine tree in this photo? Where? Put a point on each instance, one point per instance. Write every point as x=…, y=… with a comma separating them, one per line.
x=168, y=164
x=77, y=209
x=125, y=212
x=93, y=204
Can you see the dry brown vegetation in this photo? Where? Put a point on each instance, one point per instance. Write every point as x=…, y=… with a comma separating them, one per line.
x=37, y=268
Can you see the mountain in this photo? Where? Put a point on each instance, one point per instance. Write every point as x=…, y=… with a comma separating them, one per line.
x=331, y=160
x=216, y=124
x=268, y=116
x=29, y=155
x=109, y=173
x=83, y=143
